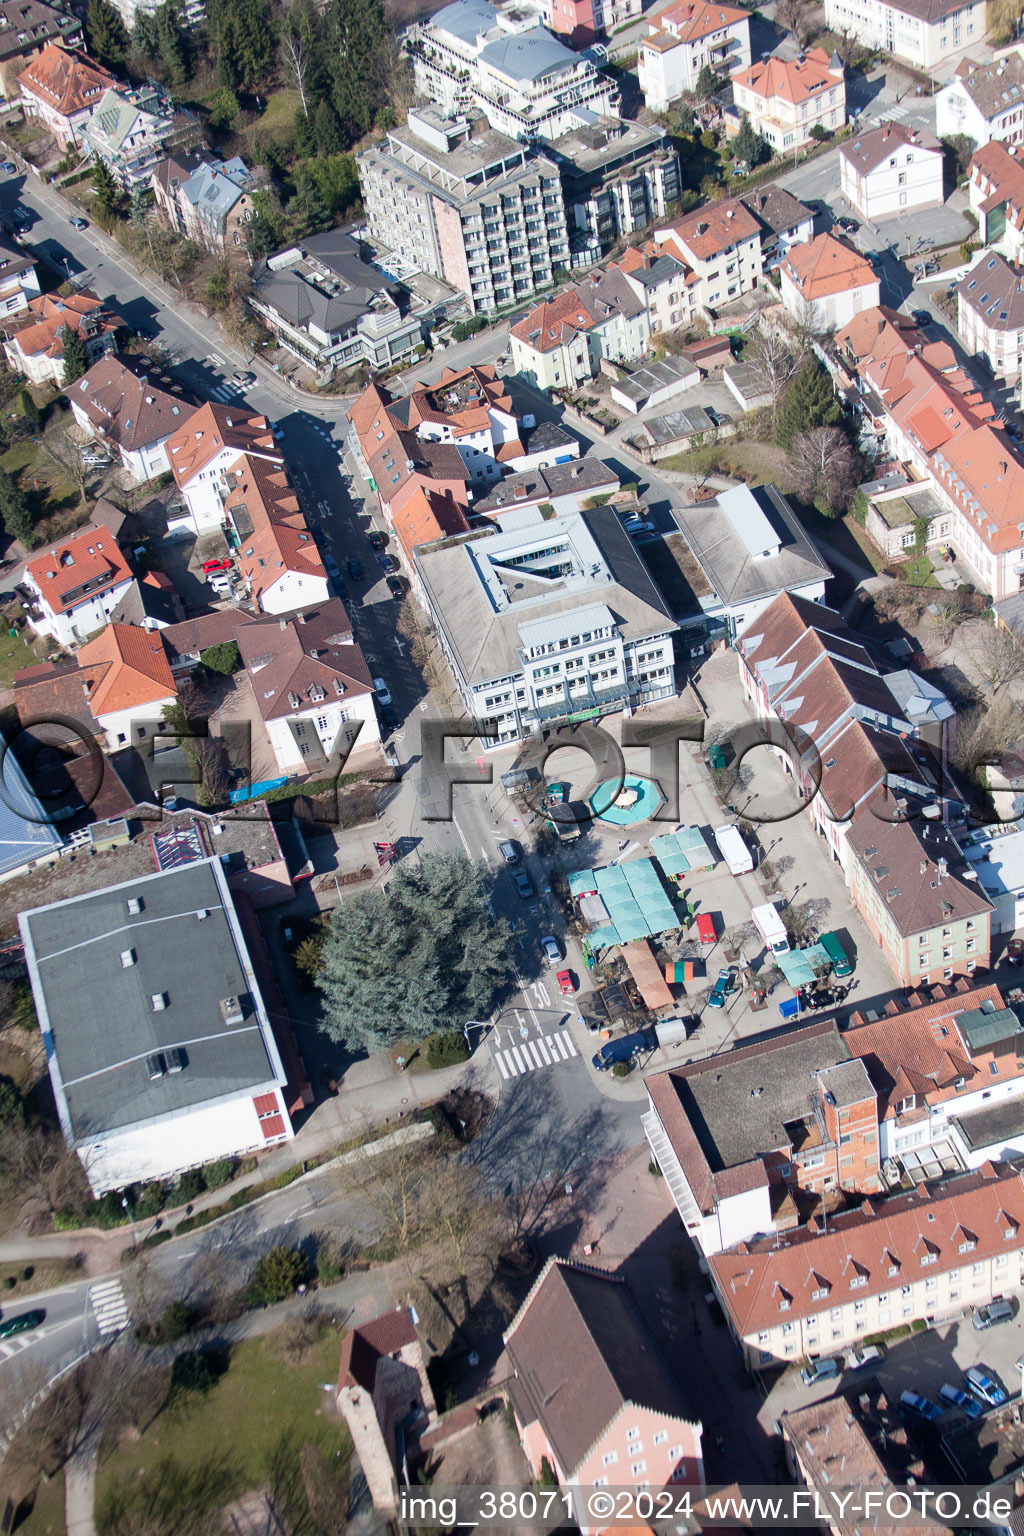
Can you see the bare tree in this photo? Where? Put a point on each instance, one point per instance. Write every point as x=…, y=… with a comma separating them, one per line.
x=775, y=361
x=948, y=613
x=61, y=449
x=297, y=60
x=997, y=654
x=981, y=735
x=803, y=920
x=798, y=17
x=822, y=468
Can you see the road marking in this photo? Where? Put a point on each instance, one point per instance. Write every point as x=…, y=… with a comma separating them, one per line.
x=109, y=1304
x=542, y=1047
x=212, y=357
x=550, y=1051
x=514, y=1053
x=501, y=1066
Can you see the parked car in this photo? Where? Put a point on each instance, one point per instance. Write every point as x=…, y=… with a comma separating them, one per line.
x=380, y=688
x=998, y=1311
x=509, y=851
x=377, y=540
x=277, y=430
x=389, y=717
x=819, y=1370
x=77, y=223
x=914, y=1403
x=1015, y=951
x=848, y=226
x=21, y=218
x=243, y=377
x=19, y=1324
x=355, y=570
x=552, y=949
x=332, y=568
x=720, y=990
x=959, y=1399
x=625, y=1048
x=920, y=317
x=566, y=984
x=864, y=1355
x=524, y=885
x=395, y=586
x=215, y=565
x=8, y=167
x=981, y=1385
x=389, y=565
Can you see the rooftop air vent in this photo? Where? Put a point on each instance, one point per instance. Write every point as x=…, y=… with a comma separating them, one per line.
x=176, y=1059
x=127, y=958
x=134, y=905
x=158, y=1001
x=155, y=1067
x=231, y=1010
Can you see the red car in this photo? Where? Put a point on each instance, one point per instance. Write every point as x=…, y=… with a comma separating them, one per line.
x=215, y=565
x=565, y=981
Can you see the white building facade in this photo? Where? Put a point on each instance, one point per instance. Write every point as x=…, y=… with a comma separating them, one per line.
x=890, y=171
x=920, y=34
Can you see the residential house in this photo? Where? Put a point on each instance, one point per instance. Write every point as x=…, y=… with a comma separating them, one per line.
x=923, y=33
x=721, y=244
x=996, y=193
x=825, y=282
x=131, y=685
x=34, y=336
x=891, y=170
x=19, y=278
x=186, y=641
x=385, y=1397
x=331, y=309
x=128, y=130
x=582, y=22
x=784, y=221
x=948, y=1075
x=684, y=39
x=566, y=488
x=589, y=632
x=984, y=101
x=26, y=26
x=593, y=1395
x=786, y=100
x=920, y=898
x=750, y=547
x=121, y=404
x=857, y=742
x=205, y=446
x=667, y=287
x=166, y=179
x=896, y=508
x=750, y=1140
x=561, y=343
x=61, y=87
x=215, y=206
x=618, y=177
x=158, y=1041
x=278, y=558
x=929, y=1254
x=76, y=584
x=460, y=200
x=990, y=314
x=311, y=685
x=503, y=66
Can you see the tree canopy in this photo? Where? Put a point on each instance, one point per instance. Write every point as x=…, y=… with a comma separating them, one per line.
x=108, y=36
x=422, y=957
x=810, y=402
x=76, y=358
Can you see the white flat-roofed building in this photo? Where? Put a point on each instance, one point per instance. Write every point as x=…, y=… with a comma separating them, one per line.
x=549, y=621
x=159, y=1046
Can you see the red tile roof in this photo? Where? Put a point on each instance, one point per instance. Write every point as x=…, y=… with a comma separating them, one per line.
x=39, y=332
x=556, y=321
x=364, y=1346
x=137, y=669
x=825, y=266
x=772, y=1280
x=711, y=229
x=86, y=558
x=213, y=427
x=794, y=80
x=425, y=516
x=65, y=80
x=261, y=498
x=691, y=20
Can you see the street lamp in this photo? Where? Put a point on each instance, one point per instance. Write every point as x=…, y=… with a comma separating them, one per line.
x=131, y=1219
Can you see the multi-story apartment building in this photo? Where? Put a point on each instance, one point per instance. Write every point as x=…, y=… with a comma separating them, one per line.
x=984, y=101
x=783, y=220
x=61, y=88
x=216, y=205
x=877, y=740
x=990, y=314
x=76, y=585
x=931, y=1254
x=684, y=39
x=721, y=244
x=891, y=170
x=582, y=22
x=204, y=448
x=744, y=1139
x=996, y=193
x=128, y=131
x=26, y=26
x=921, y=32
x=471, y=57
x=330, y=308
x=475, y=208
x=120, y=403
x=606, y=315
x=786, y=98
x=825, y=282
x=617, y=177
x=557, y=621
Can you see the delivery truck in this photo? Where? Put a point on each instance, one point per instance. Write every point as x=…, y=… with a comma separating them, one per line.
x=734, y=850
x=770, y=926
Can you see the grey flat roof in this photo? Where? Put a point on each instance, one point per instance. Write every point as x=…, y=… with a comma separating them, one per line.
x=465, y=19
x=670, y=370
x=738, y=1108
x=737, y=576
x=995, y=1123
x=96, y=1012
x=528, y=55
x=679, y=423
x=848, y=1082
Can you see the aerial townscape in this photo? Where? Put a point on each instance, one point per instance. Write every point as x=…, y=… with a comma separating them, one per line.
x=511, y=765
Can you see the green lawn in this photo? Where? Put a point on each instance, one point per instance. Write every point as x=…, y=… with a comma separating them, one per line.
x=241, y=1424
x=919, y=573
x=52, y=491
x=14, y=655
x=47, y=1517
x=278, y=120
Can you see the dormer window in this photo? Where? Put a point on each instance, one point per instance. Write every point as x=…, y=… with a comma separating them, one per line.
x=905, y=1105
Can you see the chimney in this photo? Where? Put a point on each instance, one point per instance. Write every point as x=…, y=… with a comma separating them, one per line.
x=885, y=134
x=1003, y=466
x=943, y=869
x=283, y=624
x=300, y=618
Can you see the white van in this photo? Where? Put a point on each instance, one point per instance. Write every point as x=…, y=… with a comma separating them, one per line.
x=771, y=928
x=734, y=850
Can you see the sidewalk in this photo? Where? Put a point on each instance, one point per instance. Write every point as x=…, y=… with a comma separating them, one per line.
x=80, y=1495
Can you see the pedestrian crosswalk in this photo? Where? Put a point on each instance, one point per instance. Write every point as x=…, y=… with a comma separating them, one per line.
x=20, y=1341
x=225, y=393
x=530, y=1055
x=109, y=1305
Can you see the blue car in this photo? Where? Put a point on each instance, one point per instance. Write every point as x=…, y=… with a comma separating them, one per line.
x=913, y=1402
x=624, y=1049
x=959, y=1399
x=981, y=1386
x=720, y=990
